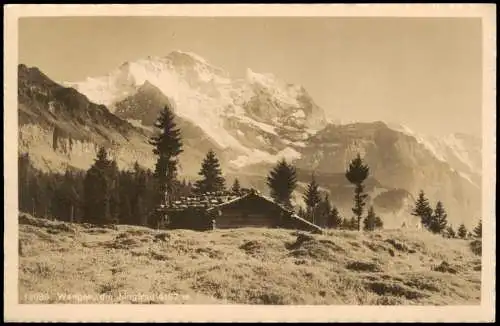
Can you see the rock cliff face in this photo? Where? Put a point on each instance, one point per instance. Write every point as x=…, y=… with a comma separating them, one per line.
x=58, y=126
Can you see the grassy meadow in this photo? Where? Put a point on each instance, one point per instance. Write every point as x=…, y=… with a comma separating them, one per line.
x=79, y=263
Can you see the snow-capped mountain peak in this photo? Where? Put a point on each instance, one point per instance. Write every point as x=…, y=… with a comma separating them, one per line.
x=207, y=96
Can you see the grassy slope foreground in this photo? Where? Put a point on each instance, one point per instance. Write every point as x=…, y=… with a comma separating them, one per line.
x=70, y=263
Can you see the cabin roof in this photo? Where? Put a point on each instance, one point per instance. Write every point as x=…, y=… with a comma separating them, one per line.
x=251, y=194
x=205, y=201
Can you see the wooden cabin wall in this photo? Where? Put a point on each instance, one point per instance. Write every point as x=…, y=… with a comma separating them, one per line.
x=248, y=212
x=189, y=219
x=251, y=212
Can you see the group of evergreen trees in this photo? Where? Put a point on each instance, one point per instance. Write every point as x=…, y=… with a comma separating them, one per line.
x=463, y=233
x=100, y=195
x=435, y=220
x=44, y=194
x=282, y=181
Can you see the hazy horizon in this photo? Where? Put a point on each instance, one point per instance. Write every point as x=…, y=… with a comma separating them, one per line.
x=425, y=73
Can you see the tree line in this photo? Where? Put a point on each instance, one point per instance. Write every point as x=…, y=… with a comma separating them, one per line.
x=100, y=195
x=435, y=220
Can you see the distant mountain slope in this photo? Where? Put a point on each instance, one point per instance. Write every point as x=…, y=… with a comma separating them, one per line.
x=58, y=126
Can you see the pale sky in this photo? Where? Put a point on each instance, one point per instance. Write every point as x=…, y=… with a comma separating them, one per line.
x=425, y=73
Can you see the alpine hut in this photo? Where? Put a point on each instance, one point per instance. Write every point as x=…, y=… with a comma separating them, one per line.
x=224, y=210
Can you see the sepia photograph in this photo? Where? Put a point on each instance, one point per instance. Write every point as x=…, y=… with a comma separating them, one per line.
x=203, y=158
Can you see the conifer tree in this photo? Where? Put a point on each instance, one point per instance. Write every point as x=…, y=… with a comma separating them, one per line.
x=48, y=187
x=125, y=210
x=334, y=219
x=302, y=212
x=141, y=215
x=97, y=188
x=423, y=210
x=167, y=146
x=70, y=185
x=478, y=230
x=24, y=178
x=96, y=196
x=102, y=161
x=372, y=220
x=65, y=198
x=236, y=187
x=438, y=221
x=350, y=223
x=139, y=194
x=126, y=193
x=323, y=211
x=190, y=188
x=357, y=173
x=450, y=233
x=114, y=192
x=282, y=180
x=462, y=231
x=36, y=195
x=211, y=173
x=312, y=198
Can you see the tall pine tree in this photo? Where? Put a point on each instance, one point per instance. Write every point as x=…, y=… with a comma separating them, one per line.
x=438, y=221
x=211, y=173
x=282, y=180
x=423, y=210
x=97, y=190
x=357, y=173
x=312, y=198
x=167, y=146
